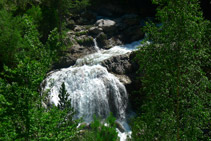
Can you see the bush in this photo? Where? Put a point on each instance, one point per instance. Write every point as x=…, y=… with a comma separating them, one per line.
x=102, y=131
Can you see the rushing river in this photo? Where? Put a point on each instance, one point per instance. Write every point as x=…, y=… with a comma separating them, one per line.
x=92, y=89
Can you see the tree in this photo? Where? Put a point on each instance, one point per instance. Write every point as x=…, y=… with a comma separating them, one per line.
x=21, y=111
x=176, y=87
x=64, y=101
x=58, y=9
x=10, y=37
x=19, y=86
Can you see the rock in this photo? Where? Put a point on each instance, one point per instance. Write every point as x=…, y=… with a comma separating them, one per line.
x=71, y=55
x=95, y=31
x=125, y=68
x=113, y=42
x=124, y=79
x=106, y=24
x=85, y=40
x=78, y=28
x=105, y=43
x=118, y=64
x=102, y=40
x=64, y=62
x=119, y=126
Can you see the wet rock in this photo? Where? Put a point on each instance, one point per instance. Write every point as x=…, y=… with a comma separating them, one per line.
x=119, y=126
x=124, y=79
x=125, y=69
x=113, y=42
x=106, y=43
x=64, y=62
x=118, y=64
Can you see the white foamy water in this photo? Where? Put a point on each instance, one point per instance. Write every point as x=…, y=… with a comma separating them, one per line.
x=93, y=90
x=102, y=55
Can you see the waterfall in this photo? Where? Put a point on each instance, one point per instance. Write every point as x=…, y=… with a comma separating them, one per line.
x=92, y=89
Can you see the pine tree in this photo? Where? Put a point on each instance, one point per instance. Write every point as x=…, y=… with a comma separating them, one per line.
x=64, y=101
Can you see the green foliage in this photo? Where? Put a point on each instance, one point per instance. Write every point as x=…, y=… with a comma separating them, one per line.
x=10, y=37
x=55, y=11
x=24, y=62
x=35, y=13
x=79, y=5
x=84, y=41
x=53, y=40
x=53, y=124
x=176, y=87
x=101, y=131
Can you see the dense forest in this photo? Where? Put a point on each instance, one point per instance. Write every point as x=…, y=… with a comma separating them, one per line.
x=170, y=92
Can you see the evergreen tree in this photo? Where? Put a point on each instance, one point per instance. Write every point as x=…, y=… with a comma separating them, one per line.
x=64, y=101
x=177, y=104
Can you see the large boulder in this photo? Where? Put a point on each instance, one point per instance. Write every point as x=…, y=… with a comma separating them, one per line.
x=118, y=64
x=125, y=68
x=106, y=24
x=126, y=28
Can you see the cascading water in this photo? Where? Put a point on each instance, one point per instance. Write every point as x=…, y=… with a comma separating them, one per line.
x=92, y=89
